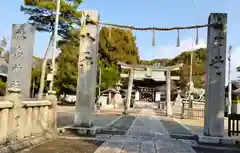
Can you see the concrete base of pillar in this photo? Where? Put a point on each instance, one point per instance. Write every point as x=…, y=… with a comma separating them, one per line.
x=82, y=131
x=84, y=125
x=84, y=117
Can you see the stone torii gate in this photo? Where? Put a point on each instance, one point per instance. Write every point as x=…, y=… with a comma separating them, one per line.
x=215, y=75
x=167, y=69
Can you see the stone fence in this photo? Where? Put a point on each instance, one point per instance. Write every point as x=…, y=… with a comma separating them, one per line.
x=192, y=110
x=26, y=123
x=185, y=109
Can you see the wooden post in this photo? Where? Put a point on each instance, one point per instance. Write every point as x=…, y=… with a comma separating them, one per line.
x=215, y=76
x=87, y=72
x=182, y=110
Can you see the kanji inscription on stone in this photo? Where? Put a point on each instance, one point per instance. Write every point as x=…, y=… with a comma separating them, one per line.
x=17, y=52
x=20, y=34
x=15, y=84
x=17, y=68
x=20, y=58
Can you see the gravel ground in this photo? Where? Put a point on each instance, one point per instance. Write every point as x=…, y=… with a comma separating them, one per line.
x=66, y=146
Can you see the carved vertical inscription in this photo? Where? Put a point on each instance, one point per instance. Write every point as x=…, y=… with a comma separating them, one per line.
x=20, y=57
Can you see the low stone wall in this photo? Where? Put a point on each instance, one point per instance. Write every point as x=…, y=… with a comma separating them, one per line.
x=22, y=120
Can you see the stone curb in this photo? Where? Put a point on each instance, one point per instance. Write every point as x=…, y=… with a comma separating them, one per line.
x=218, y=140
x=184, y=136
x=24, y=144
x=206, y=139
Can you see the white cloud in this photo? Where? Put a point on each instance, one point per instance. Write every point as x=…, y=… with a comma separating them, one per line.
x=172, y=51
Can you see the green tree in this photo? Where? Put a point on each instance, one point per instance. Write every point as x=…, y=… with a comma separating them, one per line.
x=238, y=68
x=162, y=62
x=3, y=44
x=42, y=16
x=121, y=46
x=36, y=74
x=67, y=69
x=6, y=56
x=115, y=45
x=198, y=73
x=35, y=80
x=109, y=75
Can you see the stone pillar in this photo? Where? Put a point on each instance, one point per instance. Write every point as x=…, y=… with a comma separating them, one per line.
x=20, y=58
x=87, y=72
x=168, y=93
x=215, y=76
x=129, y=91
x=53, y=124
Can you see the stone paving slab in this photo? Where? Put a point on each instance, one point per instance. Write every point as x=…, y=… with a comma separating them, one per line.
x=120, y=127
x=171, y=125
x=147, y=146
x=142, y=137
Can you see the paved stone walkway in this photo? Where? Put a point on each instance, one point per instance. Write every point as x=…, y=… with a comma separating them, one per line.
x=146, y=135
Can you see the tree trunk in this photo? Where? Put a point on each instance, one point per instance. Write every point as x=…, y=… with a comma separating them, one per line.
x=43, y=72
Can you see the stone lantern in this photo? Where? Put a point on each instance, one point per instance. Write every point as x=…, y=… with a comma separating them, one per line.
x=118, y=97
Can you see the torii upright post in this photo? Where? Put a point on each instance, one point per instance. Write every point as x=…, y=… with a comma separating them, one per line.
x=168, y=93
x=215, y=76
x=87, y=72
x=129, y=91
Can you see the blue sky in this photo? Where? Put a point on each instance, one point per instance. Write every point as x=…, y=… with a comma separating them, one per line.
x=145, y=13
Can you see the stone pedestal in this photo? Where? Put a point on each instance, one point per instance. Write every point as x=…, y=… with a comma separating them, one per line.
x=215, y=76
x=87, y=71
x=14, y=118
x=53, y=116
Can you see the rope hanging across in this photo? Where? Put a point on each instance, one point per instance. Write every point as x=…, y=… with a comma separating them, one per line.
x=152, y=28
x=130, y=27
